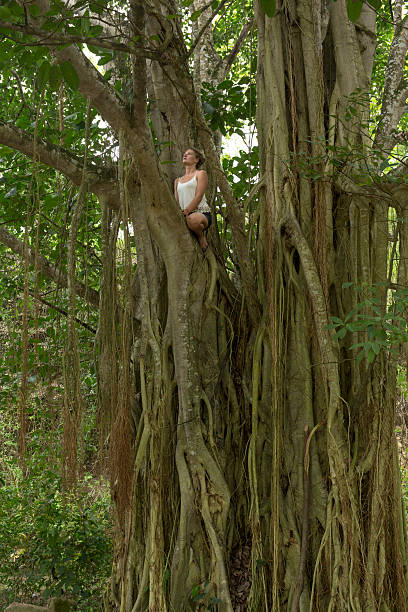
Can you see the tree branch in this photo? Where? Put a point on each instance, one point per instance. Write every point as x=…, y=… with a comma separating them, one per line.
x=60, y=310
x=48, y=269
x=229, y=60
x=205, y=26
x=395, y=89
x=99, y=178
x=50, y=39
x=396, y=12
x=54, y=39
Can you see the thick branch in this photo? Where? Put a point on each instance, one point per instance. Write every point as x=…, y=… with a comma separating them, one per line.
x=48, y=269
x=395, y=90
x=55, y=39
x=205, y=26
x=226, y=64
x=397, y=11
x=47, y=38
x=57, y=157
x=92, y=85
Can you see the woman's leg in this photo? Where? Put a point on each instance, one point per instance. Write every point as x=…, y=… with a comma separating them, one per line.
x=197, y=223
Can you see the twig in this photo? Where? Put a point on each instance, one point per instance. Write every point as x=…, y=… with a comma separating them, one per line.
x=60, y=310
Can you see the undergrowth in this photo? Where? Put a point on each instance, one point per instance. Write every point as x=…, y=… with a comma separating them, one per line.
x=50, y=544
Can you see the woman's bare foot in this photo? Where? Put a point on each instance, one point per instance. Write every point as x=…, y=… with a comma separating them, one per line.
x=202, y=241
x=197, y=223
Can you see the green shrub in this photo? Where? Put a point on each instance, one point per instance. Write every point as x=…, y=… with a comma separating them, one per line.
x=50, y=545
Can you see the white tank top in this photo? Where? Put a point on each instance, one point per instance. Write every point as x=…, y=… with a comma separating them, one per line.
x=186, y=192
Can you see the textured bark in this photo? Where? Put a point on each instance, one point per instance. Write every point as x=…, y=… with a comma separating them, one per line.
x=344, y=570
x=394, y=102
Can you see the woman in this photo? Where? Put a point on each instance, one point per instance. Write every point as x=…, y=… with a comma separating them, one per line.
x=189, y=191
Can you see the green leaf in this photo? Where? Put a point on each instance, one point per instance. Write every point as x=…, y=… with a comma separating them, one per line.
x=85, y=25
x=376, y=4
x=5, y=12
x=34, y=10
x=43, y=73
x=93, y=48
x=95, y=30
x=70, y=75
x=104, y=60
x=358, y=345
x=346, y=285
x=195, y=15
x=55, y=77
x=370, y=356
x=341, y=333
x=269, y=7
x=354, y=8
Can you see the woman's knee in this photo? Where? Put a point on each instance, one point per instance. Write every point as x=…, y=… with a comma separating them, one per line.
x=197, y=222
x=193, y=223
x=190, y=223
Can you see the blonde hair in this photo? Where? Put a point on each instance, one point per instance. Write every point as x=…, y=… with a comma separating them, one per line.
x=201, y=158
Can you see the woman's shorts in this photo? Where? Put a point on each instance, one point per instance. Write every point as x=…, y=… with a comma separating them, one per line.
x=207, y=215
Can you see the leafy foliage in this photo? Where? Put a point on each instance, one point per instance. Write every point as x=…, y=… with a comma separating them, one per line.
x=383, y=327
x=51, y=546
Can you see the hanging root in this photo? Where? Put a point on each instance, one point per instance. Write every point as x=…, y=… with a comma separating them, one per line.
x=121, y=451
x=72, y=373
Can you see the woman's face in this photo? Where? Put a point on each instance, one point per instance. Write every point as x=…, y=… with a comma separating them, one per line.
x=190, y=158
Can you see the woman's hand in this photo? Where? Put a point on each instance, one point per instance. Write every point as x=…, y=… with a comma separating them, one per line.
x=187, y=211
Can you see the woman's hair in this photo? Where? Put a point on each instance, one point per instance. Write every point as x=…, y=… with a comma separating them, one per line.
x=201, y=158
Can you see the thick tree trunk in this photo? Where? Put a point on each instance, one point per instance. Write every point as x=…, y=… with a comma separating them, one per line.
x=324, y=238
x=268, y=403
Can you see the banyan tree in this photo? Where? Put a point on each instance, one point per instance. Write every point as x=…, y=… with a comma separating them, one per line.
x=246, y=396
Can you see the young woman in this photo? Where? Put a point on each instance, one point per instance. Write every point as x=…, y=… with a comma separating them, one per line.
x=189, y=191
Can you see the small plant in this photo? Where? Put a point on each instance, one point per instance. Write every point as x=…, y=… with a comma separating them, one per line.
x=50, y=545
x=385, y=328
x=201, y=595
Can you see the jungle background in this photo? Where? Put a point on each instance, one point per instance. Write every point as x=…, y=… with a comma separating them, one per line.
x=61, y=510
